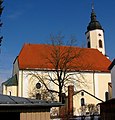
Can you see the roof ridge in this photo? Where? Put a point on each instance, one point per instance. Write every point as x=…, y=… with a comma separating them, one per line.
x=44, y=44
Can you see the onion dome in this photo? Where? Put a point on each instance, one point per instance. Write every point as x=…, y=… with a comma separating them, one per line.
x=94, y=24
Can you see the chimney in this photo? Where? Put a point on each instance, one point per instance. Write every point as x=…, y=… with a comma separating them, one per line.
x=70, y=100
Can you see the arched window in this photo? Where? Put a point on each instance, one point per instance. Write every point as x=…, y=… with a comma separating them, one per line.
x=88, y=44
x=10, y=93
x=100, y=43
x=38, y=96
x=82, y=102
x=63, y=98
x=106, y=96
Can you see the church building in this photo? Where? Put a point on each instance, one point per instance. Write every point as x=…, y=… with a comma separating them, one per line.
x=91, y=68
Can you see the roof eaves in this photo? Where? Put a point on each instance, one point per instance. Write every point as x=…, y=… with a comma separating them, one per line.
x=83, y=70
x=112, y=64
x=88, y=93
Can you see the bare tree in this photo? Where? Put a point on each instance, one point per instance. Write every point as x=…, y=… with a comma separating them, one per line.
x=63, y=61
x=92, y=109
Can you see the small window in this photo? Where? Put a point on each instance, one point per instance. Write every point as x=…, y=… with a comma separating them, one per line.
x=82, y=93
x=100, y=43
x=99, y=34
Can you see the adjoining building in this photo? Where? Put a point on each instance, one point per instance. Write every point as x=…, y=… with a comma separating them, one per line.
x=112, y=69
x=92, y=64
x=19, y=108
x=108, y=108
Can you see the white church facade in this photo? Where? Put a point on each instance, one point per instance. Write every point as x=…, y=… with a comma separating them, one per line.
x=93, y=69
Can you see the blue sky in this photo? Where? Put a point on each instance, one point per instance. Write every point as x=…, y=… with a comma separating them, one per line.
x=32, y=21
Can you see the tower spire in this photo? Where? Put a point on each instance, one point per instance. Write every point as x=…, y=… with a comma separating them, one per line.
x=95, y=32
x=92, y=5
x=93, y=24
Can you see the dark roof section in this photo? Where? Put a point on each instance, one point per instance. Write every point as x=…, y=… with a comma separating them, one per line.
x=112, y=64
x=19, y=104
x=94, y=24
x=21, y=101
x=11, y=81
x=109, y=102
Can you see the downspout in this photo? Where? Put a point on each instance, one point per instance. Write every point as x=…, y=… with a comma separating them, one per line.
x=94, y=82
x=22, y=83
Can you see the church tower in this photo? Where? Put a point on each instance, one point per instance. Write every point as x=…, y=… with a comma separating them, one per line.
x=95, y=34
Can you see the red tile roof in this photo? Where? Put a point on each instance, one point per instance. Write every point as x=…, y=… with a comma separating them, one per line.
x=33, y=56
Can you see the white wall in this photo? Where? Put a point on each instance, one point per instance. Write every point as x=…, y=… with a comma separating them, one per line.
x=113, y=81
x=93, y=37
x=94, y=83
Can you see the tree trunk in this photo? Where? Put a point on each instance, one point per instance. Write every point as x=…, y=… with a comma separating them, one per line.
x=60, y=94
